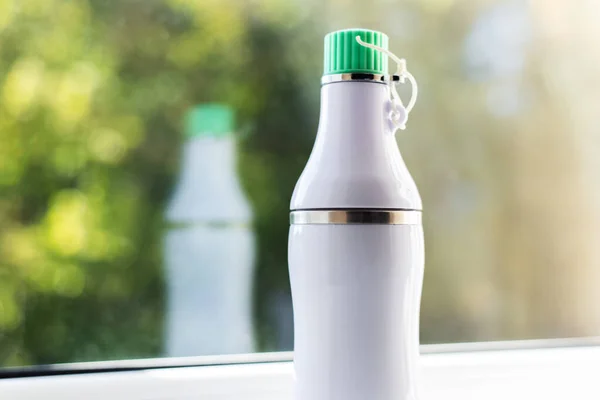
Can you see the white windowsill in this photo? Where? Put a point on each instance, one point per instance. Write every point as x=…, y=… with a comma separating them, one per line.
x=544, y=373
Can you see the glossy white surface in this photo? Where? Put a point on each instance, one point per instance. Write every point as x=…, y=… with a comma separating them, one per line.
x=356, y=289
x=356, y=292
x=549, y=374
x=209, y=255
x=355, y=162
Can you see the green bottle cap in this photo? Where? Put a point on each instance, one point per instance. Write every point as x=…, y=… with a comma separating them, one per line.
x=209, y=120
x=343, y=54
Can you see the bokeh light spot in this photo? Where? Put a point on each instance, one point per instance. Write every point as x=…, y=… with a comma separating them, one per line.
x=107, y=146
x=65, y=222
x=22, y=85
x=73, y=94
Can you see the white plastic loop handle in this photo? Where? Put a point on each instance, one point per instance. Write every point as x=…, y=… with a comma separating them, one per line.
x=400, y=113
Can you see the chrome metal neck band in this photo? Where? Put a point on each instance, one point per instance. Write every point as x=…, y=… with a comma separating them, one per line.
x=355, y=217
x=376, y=78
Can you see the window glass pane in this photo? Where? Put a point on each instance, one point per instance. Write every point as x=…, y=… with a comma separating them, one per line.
x=149, y=149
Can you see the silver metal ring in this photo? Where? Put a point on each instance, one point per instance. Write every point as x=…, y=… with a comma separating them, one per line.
x=351, y=217
x=376, y=78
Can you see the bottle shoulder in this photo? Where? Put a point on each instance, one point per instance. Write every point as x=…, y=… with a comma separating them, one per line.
x=208, y=188
x=367, y=192
x=355, y=161
x=330, y=182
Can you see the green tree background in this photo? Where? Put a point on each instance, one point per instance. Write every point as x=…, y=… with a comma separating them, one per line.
x=92, y=101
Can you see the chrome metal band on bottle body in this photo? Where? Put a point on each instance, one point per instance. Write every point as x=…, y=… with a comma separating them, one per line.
x=376, y=78
x=355, y=217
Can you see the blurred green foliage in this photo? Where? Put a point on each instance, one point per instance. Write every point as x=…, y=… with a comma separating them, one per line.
x=92, y=95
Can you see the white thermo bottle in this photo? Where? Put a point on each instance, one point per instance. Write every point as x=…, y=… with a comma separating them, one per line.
x=209, y=246
x=356, y=253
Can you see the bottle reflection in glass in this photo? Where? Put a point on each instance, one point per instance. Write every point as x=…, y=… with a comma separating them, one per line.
x=209, y=247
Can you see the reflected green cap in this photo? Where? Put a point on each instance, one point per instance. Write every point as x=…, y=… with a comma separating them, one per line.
x=209, y=120
x=343, y=54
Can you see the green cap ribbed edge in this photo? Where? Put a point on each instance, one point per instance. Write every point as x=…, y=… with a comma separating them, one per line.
x=343, y=54
x=210, y=119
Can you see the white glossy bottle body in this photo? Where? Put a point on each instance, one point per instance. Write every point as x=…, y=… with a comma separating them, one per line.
x=209, y=255
x=356, y=288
